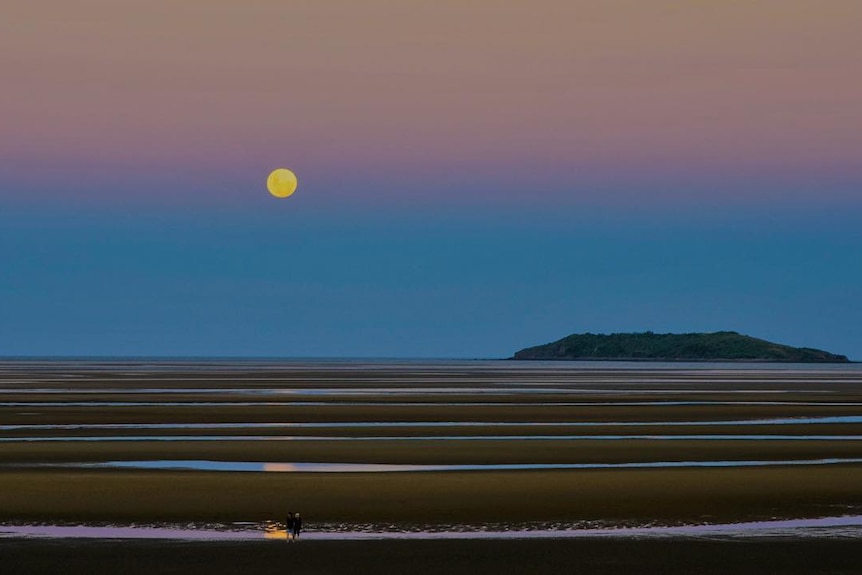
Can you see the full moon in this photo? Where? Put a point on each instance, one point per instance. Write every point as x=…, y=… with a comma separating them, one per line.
x=281, y=183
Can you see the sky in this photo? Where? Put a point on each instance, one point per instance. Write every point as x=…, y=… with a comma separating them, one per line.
x=474, y=177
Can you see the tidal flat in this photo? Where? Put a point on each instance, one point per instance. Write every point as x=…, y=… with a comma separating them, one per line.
x=648, y=444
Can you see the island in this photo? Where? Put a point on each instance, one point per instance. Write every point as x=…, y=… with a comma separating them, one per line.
x=649, y=346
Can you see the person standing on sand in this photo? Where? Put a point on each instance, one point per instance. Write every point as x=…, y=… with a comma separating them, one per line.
x=297, y=526
x=288, y=526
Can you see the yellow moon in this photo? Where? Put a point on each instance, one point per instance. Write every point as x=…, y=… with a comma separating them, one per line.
x=281, y=183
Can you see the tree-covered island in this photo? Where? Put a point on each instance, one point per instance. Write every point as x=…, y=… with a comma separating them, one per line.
x=649, y=346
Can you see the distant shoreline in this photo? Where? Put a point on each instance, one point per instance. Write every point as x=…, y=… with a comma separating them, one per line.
x=371, y=359
x=676, y=360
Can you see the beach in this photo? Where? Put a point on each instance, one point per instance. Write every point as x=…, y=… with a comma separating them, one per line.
x=434, y=447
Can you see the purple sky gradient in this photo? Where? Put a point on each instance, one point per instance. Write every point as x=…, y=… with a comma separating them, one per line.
x=544, y=100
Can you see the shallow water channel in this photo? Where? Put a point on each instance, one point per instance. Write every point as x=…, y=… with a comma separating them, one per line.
x=317, y=467
x=824, y=527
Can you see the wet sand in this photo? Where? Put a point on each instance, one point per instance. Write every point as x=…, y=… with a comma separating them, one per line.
x=460, y=413
x=631, y=495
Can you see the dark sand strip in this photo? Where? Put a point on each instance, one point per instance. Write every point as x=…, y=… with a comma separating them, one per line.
x=416, y=413
x=633, y=495
x=585, y=557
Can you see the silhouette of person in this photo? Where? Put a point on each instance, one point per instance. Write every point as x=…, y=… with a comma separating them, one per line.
x=289, y=526
x=297, y=526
